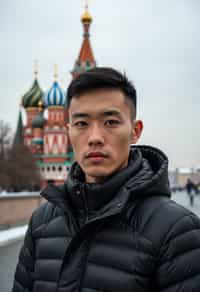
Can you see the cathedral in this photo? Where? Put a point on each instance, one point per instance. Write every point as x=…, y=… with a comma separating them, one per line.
x=47, y=137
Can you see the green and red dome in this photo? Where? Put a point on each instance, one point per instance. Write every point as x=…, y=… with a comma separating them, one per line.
x=33, y=98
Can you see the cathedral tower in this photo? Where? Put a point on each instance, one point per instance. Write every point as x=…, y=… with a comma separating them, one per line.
x=85, y=59
x=31, y=101
x=47, y=137
x=55, y=158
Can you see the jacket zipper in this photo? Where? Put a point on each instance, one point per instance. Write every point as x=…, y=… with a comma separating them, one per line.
x=83, y=193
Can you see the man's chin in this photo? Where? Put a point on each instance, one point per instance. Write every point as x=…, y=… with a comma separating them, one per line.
x=96, y=175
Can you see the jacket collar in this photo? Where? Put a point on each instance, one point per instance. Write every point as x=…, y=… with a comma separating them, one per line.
x=145, y=175
x=95, y=196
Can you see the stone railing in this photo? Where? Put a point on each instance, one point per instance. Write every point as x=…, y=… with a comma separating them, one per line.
x=17, y=208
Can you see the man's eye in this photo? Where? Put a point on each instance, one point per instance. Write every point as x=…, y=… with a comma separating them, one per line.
x=80, y=124
x=112, y=122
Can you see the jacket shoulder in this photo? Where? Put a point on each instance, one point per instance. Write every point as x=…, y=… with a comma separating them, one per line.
x=43, y=214
x=158, y=218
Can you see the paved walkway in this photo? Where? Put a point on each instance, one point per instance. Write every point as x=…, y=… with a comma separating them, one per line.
x=183, y=199
x=8, y=262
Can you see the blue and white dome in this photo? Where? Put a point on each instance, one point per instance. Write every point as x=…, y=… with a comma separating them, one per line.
x=55, y=96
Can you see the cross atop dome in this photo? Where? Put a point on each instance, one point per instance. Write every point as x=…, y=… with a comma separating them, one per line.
x=36, y=68
x=55, y=72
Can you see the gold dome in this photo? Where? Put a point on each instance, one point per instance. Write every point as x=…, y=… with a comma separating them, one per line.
x=86, y=17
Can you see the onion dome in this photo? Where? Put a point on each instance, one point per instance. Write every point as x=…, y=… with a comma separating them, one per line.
x=33, y=96
x=55, y=96
x=86, y=17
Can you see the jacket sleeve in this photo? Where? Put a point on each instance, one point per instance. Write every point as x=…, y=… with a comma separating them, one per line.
x=23, y=280
x=179, y=259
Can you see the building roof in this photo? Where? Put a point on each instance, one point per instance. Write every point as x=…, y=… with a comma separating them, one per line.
x=185, y=170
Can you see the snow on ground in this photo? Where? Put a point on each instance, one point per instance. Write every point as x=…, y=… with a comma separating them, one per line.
x=12, y=235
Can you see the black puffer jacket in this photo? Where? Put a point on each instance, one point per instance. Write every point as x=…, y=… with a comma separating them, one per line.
x=123, y=235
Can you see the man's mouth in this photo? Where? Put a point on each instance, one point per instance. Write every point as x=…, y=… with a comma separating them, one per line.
x=96, y=156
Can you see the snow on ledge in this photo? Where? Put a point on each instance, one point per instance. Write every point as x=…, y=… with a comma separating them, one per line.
x=11, y=235
x=19, y=194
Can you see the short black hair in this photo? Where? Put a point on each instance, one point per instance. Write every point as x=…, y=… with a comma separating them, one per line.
x=103, y=78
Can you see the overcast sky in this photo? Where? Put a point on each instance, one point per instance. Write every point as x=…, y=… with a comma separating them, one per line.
x=157, y=43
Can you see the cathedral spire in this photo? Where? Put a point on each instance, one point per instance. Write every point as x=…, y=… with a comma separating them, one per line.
x=18, y=138
x=86, y=20
x=86, y=58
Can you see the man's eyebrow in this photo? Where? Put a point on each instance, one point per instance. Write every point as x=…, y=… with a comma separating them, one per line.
x=79, y=115
x=111, y=113
x=106, y=113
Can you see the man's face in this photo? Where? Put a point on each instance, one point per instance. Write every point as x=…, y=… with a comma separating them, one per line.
x=101, y=130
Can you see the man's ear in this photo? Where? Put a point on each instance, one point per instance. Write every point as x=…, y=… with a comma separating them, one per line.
x=136, y=131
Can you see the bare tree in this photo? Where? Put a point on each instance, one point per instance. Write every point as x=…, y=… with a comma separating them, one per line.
x=22, y=171
x=5, y=138
x=18, y=170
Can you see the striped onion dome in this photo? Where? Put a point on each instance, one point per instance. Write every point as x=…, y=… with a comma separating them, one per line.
x=55, y=96
x=33, y=97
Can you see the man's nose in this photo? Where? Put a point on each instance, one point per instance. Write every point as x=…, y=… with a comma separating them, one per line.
x=95, y=135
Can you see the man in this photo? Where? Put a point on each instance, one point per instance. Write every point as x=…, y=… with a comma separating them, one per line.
x=112, y=226
x=191, y=188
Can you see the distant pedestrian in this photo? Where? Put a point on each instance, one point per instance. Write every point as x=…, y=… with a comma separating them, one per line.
x=190, y=188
